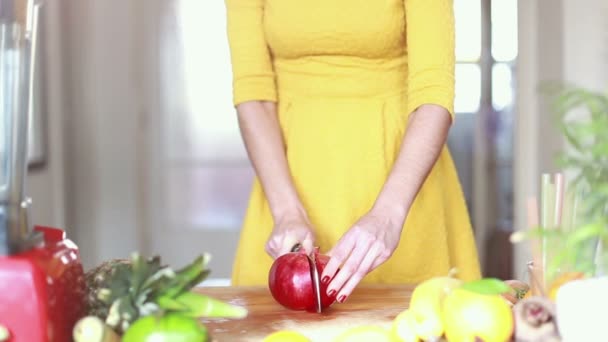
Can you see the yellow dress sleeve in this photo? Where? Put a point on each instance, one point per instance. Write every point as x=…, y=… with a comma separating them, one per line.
x=252, y=72
x=431, y=55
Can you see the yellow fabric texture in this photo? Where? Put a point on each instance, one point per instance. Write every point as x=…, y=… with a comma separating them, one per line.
x=345, y=75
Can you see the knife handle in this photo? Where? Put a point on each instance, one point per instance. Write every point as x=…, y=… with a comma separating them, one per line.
x=296, y=247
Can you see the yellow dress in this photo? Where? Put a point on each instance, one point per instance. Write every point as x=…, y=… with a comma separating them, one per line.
x=345, y=75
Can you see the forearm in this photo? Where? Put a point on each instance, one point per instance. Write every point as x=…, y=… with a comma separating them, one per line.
x=260, y=129
x=422, y=144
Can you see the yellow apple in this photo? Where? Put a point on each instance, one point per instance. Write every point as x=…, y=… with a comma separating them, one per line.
x=404, y=327
x=469, y=316
x=426, y=305
x=365, y=334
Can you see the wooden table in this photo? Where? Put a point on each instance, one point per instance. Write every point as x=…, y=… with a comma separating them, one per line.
x=368, y=305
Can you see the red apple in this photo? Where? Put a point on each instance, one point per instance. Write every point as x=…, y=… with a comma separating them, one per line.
x=290, y=281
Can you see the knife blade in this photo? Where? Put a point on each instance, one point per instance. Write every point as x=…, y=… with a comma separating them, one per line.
x=316, y=284
x=314, y=275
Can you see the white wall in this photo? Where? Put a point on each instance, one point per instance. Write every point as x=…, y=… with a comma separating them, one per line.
x=46, y=185
x=586, y=42
x=88, y=185
x=559, y=40
x=101, y=129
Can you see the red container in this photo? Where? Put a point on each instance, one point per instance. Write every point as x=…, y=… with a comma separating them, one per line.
x=42, y=291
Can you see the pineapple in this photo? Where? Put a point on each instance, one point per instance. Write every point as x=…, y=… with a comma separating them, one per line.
x=121, y=291
x=98, y=278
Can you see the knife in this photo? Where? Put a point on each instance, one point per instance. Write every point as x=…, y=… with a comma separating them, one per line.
x=316, y=284
x=314, y=274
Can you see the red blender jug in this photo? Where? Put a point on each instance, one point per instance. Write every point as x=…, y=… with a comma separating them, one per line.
x=42, y=287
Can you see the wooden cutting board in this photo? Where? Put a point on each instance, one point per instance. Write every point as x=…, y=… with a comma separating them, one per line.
x=368, y=305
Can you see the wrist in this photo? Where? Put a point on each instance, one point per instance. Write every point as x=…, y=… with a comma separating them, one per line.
x=288, y=210
x=391, y=207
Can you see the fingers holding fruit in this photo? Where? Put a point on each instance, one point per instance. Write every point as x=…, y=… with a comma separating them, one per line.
x=288, y=233
x=367, y=245
x=358, y=264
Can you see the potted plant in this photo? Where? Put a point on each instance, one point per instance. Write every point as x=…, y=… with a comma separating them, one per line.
x=583, y=118
x=573, y=225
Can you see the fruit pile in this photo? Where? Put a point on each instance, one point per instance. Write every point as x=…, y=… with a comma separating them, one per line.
x=142, y=300
x=448, y=309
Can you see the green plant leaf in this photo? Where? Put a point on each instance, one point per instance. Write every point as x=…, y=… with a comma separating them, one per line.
x=585, y=233
x=582, y=117
x=487, y=286
x=572, y=139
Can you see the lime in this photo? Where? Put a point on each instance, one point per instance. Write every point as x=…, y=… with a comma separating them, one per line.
x=286, y=336
x=172, y=327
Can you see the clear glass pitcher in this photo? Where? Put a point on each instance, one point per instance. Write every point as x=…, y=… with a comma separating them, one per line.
x=18, y=26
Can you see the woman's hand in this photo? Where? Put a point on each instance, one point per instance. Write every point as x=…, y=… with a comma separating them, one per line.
x=366, y=245
x=288, y=231
x=374, y=238
x=259, y=125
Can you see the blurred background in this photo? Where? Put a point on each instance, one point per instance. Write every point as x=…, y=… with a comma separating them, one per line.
x=136, y=144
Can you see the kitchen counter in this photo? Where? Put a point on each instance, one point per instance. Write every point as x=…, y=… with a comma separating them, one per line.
x=368, y=305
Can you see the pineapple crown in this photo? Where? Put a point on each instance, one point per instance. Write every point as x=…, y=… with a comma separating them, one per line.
x=144, y=286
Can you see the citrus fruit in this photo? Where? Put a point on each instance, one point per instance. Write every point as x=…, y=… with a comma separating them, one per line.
x=426, y=303
x=366, y=334
x=172, y=327
x=471, y=315
x=286, y=336
x=404, y=327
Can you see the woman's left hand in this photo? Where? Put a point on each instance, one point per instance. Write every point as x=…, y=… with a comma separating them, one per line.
x=365, y=246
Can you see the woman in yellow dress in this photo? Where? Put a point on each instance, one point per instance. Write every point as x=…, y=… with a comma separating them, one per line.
x=344, y=107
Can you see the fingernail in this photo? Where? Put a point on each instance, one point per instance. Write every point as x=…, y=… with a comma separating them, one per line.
x=342, y=298
x=325, y=280
x=331, y=293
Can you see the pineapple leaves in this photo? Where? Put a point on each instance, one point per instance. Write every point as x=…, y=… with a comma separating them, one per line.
x=184, y=279
x=198, y=305
x=127, y=290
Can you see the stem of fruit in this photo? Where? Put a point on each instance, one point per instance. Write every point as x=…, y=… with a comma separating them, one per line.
x=452, y=272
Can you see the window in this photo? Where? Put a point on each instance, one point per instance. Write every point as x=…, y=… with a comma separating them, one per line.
x=486, y=51
x=207, y=176
x=470, y=49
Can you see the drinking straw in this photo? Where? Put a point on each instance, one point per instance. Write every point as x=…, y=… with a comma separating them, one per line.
x=567, y=209
x=535, y=268
x=546, y=218
x=559, y=200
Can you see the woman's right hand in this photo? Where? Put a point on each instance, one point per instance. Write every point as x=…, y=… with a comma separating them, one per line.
x=289, y=231
x=259, y=125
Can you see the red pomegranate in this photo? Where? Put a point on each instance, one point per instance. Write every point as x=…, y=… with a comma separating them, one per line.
x=290, y=281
